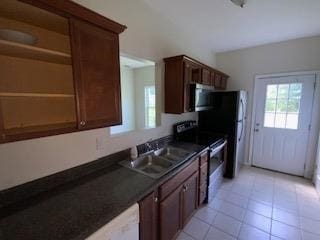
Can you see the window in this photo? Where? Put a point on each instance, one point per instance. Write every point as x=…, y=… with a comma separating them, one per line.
x=282, y=105
x=150, y=106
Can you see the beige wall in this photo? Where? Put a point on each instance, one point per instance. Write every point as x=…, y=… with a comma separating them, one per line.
x=148, y=36
x=290, y=56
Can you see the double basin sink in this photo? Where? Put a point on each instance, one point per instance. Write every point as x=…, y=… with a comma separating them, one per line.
x=159, y=162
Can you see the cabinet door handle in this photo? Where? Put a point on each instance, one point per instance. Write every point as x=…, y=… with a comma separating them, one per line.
x=155, y=199
x=82, y=123
x=185, y=188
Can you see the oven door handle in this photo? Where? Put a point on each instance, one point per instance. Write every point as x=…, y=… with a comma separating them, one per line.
x=217, y=149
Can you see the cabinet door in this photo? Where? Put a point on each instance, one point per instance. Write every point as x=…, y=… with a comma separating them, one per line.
x=95, y=54
x=223, y=84
x=206, y=78
x=187, y=80
x=189, y=197
x=212, y=76
x=196, y=75
x=170, y=216
x=217, y=81
x=149, y=217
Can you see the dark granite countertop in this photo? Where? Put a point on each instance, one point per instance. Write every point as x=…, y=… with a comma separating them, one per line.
x=77, y=209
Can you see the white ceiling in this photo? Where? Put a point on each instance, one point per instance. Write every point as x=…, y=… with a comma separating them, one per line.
x=134, y=62
x=222, y=26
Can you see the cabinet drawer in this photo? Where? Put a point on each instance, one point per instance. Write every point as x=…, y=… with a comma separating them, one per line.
x=203, y=174
x=204, y=158
x=202, y=193
x=177, y=180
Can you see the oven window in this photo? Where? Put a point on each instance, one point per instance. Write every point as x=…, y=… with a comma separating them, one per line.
x=215, y=161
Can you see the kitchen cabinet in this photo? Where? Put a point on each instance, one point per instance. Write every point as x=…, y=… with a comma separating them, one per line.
x=149, y=217
x=96, y=70
x=203, y=178
x=178, y=201
x=212, y=78
x=189, y=197
x=178, y=207
x=65, y=78
x=165, y=211
x=220, y=81
x=170, y=215
x=206, y=78
x=180, y=72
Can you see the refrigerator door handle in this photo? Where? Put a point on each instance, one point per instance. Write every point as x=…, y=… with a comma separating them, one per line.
x=242, y=109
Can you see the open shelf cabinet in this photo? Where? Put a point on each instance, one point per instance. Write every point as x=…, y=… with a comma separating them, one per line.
x=14, y=49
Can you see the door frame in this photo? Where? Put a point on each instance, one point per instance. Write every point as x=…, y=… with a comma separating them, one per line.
x=311, y=165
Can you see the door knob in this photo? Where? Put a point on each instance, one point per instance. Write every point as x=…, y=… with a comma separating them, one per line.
x=155, y=199
x=82, y=123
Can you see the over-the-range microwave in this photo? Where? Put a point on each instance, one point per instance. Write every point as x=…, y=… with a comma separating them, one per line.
x=201, y=97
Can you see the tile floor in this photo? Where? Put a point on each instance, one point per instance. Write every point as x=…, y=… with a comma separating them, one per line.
x=258, y=205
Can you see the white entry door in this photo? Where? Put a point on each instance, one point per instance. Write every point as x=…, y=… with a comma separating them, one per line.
x=283, y=117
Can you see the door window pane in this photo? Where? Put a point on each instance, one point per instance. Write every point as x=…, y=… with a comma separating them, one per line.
x=272, y=91
x=282, y=105
x=271, y=105
x=283, y=90
x=293, y=105
x=269, y=119
x=280, y=121
x=292, y=121
x=295, y=90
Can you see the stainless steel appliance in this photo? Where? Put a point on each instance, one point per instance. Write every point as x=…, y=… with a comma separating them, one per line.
x=188, y=132
x=228, y=116
x=201, y=97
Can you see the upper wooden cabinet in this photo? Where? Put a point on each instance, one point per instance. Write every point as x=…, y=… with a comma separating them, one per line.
x=96, y=70
x=63, y=75
x=206, y=77
x=180, y=72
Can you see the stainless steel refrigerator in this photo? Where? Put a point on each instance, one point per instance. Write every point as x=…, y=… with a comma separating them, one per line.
x=228, y=116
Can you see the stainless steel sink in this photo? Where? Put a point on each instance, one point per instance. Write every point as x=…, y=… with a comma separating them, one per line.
x=173, y=153
x=150, y=165
x=157, y=163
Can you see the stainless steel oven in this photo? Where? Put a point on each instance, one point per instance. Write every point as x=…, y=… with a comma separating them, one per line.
x=201, y=97
x=216, y=168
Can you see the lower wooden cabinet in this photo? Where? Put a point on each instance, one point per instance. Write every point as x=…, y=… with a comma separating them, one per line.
x=203, y=178
x=189, y=198
x=163, y=215
x=170, y=215
x=148, y=211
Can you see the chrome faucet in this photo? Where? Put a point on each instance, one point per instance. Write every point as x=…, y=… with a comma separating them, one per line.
x=148, y=145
